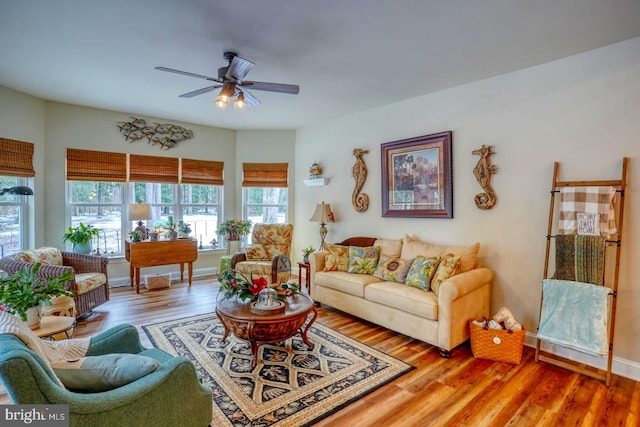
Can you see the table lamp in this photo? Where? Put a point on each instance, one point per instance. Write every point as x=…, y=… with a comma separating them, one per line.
x=323, y=215
x=140, y=212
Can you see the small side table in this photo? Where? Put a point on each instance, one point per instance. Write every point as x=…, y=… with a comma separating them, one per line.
x=307, y=275
x=53, y=325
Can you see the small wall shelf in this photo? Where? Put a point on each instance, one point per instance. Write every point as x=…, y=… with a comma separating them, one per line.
x=317, y=182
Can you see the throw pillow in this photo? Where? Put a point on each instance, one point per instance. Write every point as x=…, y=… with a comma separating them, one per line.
x=395, y=269
x=255, y=253
x=379, y=272
x=337, y=257
x=421, y=271
x=363, y=260
x=94, y=374
x=449, y=267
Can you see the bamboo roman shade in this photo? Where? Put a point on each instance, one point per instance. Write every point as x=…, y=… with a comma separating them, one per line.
x=16, y=158
x=153, y=169
x=87, y=165
x=201, y=172
x=265, y=175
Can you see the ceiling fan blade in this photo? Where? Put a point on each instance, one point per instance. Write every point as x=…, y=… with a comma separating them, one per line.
x=199, y=91
x=239, y=68
x=251, y=100
x=272, y=87
x=185, y=73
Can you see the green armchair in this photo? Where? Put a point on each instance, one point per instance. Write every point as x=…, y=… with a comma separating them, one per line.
x=169, y=396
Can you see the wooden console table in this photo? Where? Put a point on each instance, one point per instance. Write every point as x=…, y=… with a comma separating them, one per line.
x=160, y=252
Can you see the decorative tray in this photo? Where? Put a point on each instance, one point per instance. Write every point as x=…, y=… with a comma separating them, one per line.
x=258, y=309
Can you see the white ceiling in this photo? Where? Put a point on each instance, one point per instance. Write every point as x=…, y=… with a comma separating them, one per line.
x=346, y=55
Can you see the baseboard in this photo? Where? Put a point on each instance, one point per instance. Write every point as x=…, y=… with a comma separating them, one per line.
x=122, y=281
x=619, y=366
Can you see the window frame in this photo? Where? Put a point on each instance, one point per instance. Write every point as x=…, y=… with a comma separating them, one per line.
x=23, y=205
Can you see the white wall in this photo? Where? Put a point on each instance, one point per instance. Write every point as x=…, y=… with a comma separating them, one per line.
x=582, y=111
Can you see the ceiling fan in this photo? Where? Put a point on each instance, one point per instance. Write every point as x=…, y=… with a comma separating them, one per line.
x=231, y=80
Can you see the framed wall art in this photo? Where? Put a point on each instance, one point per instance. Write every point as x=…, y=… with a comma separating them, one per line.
x=417, y=177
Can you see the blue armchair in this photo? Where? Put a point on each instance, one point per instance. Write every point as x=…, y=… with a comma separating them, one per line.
x=169, y=396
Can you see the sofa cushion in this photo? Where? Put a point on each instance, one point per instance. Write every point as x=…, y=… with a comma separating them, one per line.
x=421, y=271
x=393, y=269
x=89, y=281
x=337, y=257
x=350, y=283
x=468, y=255
x=411, y=248
x=404, y=298
x=389, y=248
x=363, y=260
x=449, y=266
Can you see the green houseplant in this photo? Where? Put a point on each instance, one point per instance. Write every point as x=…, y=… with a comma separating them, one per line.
x=234, y=229
x=306, y=252
x=24, y=290
x=81, y=237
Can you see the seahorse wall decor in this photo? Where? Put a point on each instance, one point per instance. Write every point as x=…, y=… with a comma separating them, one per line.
x=359, y=172
x=483, y=171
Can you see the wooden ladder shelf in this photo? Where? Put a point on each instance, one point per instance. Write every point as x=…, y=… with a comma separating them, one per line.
x=619, y=185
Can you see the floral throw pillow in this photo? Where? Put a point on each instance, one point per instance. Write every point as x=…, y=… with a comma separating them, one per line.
x=449, y=267
x=421, y=271
x=337, y=257
x=363, y=260
x=256, y=253
x=395, y=269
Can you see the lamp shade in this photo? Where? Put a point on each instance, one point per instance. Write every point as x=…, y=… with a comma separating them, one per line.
x=140, y=211
x=322, y=214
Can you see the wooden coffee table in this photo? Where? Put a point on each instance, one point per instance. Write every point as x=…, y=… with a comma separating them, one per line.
x=262, y=329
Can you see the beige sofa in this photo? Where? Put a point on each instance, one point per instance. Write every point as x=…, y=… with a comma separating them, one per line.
x=440, y=320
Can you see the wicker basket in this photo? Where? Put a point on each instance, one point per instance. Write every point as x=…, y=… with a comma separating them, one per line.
x=497, y=345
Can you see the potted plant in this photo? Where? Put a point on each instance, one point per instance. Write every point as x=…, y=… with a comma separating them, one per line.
x=81, y=237
x=170, y=229
x=135, y=236
x=234, y=229
x=306, y=252
x=183, y=230
x=23, y=292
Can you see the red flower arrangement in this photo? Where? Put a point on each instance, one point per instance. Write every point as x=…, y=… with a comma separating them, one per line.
x=233, y=282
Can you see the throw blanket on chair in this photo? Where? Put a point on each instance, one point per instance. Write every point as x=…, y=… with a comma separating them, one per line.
x=580, y=258
x=50, y=351
x=594, y=200
x=575, y=315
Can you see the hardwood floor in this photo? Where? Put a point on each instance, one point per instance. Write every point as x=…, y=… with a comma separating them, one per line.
x=461, y=391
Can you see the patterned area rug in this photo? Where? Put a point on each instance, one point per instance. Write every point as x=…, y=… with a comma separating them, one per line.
x=290, y=386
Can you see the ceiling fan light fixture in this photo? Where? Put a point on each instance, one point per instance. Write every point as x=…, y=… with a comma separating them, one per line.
x=221, y=103
x=240, y=103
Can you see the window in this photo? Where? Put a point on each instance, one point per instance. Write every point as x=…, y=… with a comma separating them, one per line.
x=100, y=204
x=265, y=197
x=16, y=167
x=98, y=194
x=13, y=214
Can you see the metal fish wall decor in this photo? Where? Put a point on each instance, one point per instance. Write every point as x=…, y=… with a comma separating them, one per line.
x=167, y=135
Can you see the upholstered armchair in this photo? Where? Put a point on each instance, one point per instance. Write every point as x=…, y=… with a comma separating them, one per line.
x=268, y=256
x=90, y=283
x=169, y=395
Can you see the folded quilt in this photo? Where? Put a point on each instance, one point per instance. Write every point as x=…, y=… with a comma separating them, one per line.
x=580, y=258
x=587, y=200
x=575, y=315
